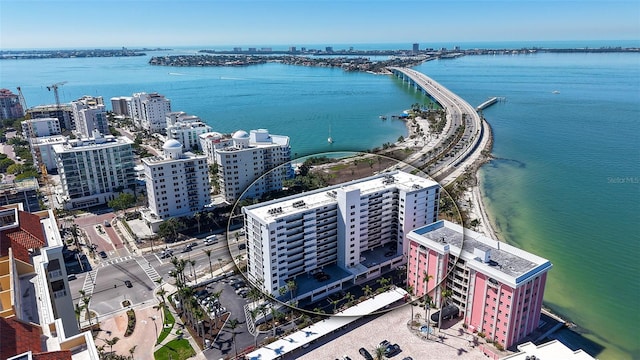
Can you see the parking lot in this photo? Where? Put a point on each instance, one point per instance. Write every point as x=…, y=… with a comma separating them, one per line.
x=454, y=344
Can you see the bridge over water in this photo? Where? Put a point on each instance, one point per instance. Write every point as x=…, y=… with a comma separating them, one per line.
x=458, y=111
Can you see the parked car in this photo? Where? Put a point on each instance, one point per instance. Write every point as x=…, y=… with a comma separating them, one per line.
x=71, y=277
x=103, y=254
x=392, y=350
x=128, y=283
x=365, y=354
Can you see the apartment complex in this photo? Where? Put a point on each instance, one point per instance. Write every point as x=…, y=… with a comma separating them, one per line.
x=121, y=105
x=177, y=183
x=497, y=287
x=44, y=157
x=37, y=317
x=249, y=161
x=149, y=111
x=349, y=233
x=90, y=114
x=24, y=192
x=186, y=129
x=34, y=128
x=63, y=113
x=94, y=170
x=10, y=107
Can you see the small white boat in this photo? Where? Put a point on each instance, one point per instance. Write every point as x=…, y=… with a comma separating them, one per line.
x=330, y=140
x=555, y=92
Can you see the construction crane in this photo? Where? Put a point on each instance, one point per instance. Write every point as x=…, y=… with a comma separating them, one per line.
x=23, y=102
x=55, y=92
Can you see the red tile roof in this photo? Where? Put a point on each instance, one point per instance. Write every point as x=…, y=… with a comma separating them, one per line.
x=17, y=337
x=27, y=235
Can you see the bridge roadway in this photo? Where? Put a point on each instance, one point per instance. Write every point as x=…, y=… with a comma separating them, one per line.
x=473, y=140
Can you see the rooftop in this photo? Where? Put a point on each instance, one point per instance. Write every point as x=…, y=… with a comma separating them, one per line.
x=510, y=264
x=272, y=210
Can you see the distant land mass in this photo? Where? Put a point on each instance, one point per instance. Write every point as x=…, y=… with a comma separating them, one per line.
x=328, y=51
x=348, y=60
x=57, y=54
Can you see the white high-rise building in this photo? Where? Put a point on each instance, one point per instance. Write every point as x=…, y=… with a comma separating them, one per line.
x=90, y=114
x=177, y=183
x=43, y=153
x=346, y=233
x=149, y=111
x=94, y=170
x=186, y=129
x=247, y=158
x=120, y=105
x=40, y=127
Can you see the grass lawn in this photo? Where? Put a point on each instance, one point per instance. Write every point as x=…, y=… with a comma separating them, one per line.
x=178, y=349
x=167, y=326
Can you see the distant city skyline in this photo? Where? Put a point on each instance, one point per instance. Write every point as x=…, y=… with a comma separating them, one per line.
x=162, y=23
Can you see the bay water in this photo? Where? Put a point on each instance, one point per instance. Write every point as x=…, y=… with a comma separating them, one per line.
x=564, y=184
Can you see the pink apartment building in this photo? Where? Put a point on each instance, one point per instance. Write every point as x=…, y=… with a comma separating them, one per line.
x=497, y=287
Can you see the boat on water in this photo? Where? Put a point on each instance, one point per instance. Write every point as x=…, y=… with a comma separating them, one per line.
x=383, y=117
x=556, y=92
x=330, y=139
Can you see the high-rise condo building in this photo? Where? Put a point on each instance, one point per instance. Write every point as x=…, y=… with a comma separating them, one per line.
x=37, y=316
x=34, y=128
x=94, y=170
x=344, y=234
x=248, y=158
x=497, y=288
x=177, y=183
x=90, y=114
x=10, y=107
x=149, y=111
x=64, y=113
x=186, y=129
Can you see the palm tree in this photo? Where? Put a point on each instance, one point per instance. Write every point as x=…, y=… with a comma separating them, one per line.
x=367, y=290
x=208, y=252
x=111, y=342
x=446, y=294
x=427, y=299
x=78, y=310
x=195, y=274
x=291, y=285
x=86, y=300
x=254, y=314
x=132, y=350
x=378, y=352
x=197, y=216
x=233, y=324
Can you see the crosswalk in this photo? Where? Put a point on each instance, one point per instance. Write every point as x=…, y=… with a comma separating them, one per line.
x=89, y=282
x=112, y=261
x=148, y=269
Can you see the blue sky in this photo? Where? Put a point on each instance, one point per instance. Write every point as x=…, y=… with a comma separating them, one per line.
x=135, y=23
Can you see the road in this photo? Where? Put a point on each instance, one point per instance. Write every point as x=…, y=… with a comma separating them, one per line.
x=470, y=142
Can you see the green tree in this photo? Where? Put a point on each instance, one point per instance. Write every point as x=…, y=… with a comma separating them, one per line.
x=208, y=252
x=122, y=201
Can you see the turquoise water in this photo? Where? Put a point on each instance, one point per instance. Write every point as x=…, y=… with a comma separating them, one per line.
x=565, y=184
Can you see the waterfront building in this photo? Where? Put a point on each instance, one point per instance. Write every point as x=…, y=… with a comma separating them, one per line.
x=186, y=129
x=94, y=170
x=177, y=183
x=416, y=48
x=121, y=105
x=37, y=315
x=343, y=234
x=10, y=107
x=90, y=114
x=149, y=111
x=553, y=349
x=253, y=158
x=44, y=157
x=24, y=192
x=63, y=113
x=34, y=128
x=497, y=288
